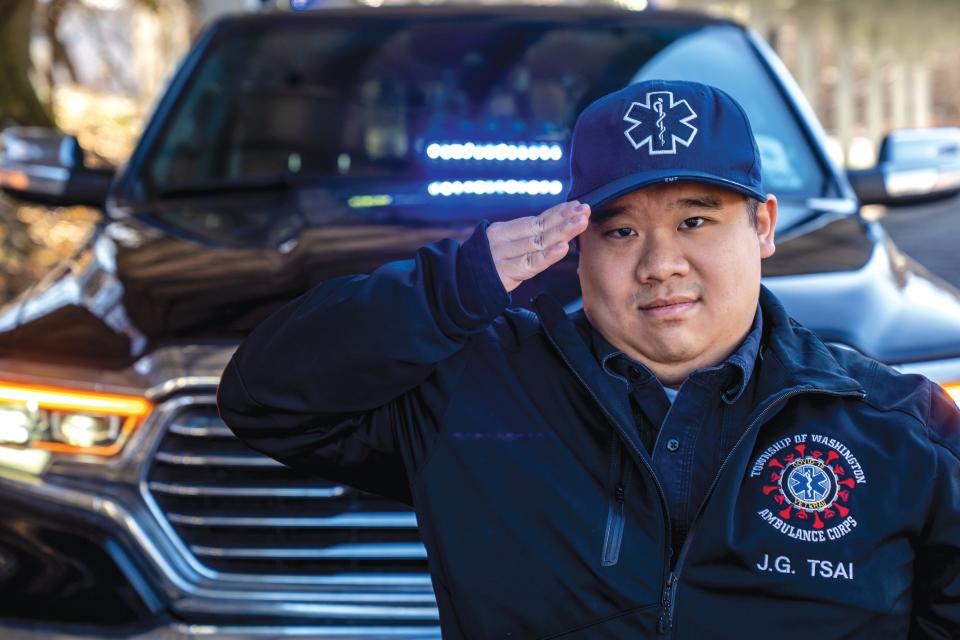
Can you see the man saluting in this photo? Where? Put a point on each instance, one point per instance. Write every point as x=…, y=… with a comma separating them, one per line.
x=678, y=459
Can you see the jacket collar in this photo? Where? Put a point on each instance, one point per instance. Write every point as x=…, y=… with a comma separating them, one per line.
x=791, y=356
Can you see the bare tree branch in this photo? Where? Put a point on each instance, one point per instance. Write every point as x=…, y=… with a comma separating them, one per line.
x=18, y=98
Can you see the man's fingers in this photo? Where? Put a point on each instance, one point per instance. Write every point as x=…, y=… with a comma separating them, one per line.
x=564, y=230
x=524, y=247
x=532, y=227
x=530, y=264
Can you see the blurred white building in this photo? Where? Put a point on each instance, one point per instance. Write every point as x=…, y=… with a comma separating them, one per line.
x=866, y=66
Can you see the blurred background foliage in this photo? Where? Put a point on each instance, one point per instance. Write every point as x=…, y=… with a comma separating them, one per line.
x=18, y=100
x=91, y=68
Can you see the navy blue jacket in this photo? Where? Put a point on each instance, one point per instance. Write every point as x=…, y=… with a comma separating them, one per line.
x=836, y=515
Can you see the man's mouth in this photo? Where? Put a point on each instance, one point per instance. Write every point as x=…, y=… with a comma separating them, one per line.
x=672, y=307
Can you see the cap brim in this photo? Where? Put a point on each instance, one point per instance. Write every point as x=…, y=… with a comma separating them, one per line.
x=617, y=188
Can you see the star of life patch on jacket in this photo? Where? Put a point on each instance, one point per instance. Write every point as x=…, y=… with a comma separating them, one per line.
x=808, y=480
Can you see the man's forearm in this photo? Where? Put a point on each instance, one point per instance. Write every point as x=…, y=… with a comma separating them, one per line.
x=355, y=343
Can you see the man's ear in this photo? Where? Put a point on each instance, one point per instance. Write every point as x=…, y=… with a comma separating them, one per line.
x=766, y=226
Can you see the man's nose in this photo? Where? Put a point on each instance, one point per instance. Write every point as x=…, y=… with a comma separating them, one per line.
x=661, y=257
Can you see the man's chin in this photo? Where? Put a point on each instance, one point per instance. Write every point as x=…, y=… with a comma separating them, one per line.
x=670, y=348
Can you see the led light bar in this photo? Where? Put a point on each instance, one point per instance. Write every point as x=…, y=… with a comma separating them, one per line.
x=495, y=187
x=68, y=420
x=51, y=398
x=366, y=201
x=501, y=152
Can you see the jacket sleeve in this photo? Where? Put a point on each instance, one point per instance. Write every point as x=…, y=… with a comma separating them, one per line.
x=349, y=380
x=937, y=573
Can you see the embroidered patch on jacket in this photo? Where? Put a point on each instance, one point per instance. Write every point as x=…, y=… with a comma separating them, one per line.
x=808, y=480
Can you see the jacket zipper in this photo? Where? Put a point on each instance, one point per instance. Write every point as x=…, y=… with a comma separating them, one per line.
x=670, y=590
x=656, y=482
x=613, y=538
x=668, y=600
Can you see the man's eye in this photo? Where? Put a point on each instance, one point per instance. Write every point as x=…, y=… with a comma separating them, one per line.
x=692, y=223
x=622, y=232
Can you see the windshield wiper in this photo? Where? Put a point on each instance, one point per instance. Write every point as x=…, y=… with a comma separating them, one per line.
x=277, y=183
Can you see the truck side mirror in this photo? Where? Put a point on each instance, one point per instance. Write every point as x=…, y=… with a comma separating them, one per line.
x=869, y=185
x=47, y=167
x=914, y=165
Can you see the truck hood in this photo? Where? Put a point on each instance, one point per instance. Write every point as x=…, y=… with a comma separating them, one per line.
x=891, y=308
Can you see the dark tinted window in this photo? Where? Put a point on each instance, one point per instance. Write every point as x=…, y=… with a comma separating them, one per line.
x=443, y=118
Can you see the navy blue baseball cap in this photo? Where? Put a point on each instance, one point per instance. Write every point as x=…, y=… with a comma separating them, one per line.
x=657, y=132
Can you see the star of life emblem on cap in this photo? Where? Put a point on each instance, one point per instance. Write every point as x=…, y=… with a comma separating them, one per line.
x=660, y=123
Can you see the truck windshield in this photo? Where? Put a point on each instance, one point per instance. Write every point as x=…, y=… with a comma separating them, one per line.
x=439, y=114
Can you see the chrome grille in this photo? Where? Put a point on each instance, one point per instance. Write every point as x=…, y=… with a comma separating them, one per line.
x=240, y=512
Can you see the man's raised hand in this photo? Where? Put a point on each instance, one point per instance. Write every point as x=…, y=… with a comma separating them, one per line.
x=524, y=247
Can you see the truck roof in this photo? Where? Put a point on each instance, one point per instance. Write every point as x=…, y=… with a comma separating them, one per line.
x=547, y=12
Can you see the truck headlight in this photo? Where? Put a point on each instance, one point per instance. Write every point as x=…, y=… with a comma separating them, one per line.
x=69, y=421
x=946, y=373
x=953, y=390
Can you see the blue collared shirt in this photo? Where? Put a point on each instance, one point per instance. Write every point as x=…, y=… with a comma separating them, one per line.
x=689, y=438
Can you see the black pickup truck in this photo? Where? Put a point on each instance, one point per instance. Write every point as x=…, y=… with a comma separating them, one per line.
x=291, y=148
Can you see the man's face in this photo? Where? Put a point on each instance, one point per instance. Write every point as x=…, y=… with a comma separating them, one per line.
x=671, y=274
